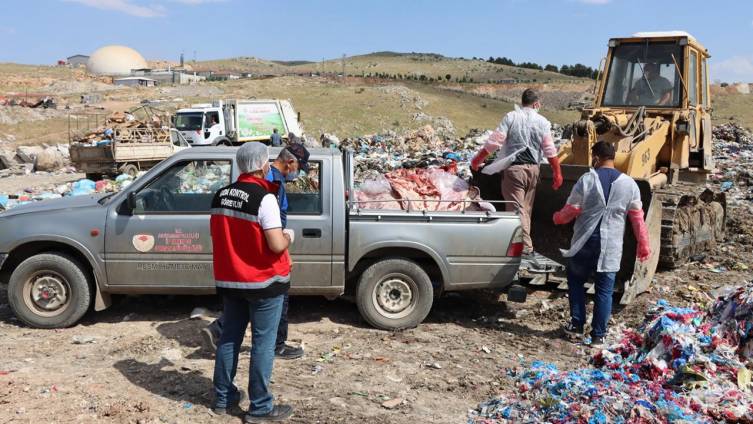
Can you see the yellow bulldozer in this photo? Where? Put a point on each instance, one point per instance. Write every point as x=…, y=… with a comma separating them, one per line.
x=652, y=101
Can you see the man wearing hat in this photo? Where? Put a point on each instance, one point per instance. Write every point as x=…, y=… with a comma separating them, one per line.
x=284, y=168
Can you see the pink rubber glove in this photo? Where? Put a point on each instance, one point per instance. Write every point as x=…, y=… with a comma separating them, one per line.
x=554, y=162
x=641, y=234
x=479, y=159
x=567, y=214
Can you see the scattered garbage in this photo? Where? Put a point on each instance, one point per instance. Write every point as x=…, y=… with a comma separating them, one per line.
x=733, y=153
x=199, y=312
x=79, y=340
x=681, y=365
x=392, y=403
x=36, y=101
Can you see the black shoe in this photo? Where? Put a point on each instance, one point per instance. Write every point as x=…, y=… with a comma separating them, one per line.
x=212, y=334
x=278, y=413
x=597, y=342
x=239, y=396
x=572, y=331
x=288, y=352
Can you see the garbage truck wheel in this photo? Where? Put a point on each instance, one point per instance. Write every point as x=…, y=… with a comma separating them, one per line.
x=49, y=290
x=130, y=169
x=394, y=294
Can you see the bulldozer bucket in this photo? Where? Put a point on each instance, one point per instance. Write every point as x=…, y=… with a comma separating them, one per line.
x=634, y=276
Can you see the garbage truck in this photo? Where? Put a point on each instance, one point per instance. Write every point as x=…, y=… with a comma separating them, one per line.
x=653, y=104
x=232, y=122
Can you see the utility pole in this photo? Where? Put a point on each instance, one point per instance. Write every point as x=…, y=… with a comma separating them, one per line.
x=194, y=56
x=344, y=56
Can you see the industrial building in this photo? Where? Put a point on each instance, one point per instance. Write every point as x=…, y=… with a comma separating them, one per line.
x=77, y=60
x=135, y=82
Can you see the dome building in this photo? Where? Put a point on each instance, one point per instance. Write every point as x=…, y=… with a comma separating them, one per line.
x=115, y=60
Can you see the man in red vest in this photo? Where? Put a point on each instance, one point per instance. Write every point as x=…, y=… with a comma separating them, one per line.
x=252, y=274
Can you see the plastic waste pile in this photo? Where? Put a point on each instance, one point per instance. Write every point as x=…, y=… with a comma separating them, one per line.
x=204, y=179
x=77, y=188
x=733, y=152
x=421, y=148
x=681, y=365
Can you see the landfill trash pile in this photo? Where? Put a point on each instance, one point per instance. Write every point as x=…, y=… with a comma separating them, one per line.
x=432, y=189
x=733, y=152
x=123, y=126
x=421, y=148
x=77, y=188
x=681, y=365
x=44, y=102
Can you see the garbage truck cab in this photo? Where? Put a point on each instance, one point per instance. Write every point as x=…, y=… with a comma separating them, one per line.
x=231, y=122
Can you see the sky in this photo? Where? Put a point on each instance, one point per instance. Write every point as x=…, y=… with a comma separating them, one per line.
x=542, y=31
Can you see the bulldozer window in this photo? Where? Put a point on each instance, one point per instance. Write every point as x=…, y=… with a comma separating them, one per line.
x=693, y=79
x=704, y=85
x=644, y=74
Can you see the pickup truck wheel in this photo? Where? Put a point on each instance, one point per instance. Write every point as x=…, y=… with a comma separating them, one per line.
x=394, y=294
x=49, y=290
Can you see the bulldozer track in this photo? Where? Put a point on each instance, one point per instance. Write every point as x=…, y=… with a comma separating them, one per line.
x=692, y=222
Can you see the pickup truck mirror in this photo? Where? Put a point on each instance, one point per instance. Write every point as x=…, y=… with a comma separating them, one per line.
x=207, y=134
x=131, y=201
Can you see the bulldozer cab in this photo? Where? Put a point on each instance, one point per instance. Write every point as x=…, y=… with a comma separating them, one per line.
x=655, y=70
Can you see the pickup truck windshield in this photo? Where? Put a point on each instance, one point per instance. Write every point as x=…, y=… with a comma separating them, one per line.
x=189, y=121
x=645, y=74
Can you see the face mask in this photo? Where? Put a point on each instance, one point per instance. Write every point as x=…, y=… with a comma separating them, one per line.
x=595, y=163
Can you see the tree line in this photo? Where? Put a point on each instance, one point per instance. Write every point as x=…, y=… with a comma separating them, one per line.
x=577, y=70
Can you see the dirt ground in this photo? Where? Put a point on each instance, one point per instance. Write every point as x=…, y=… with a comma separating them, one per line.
x=142, y=361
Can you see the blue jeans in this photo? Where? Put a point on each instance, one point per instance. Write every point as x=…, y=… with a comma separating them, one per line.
x=282, y=328
x=579, y=270
x=264, y=315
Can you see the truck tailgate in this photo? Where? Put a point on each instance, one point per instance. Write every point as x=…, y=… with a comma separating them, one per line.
x=470, y=249
x=131, y=152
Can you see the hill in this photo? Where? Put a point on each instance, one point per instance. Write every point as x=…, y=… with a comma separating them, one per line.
x=242, y=64
x=431, y=66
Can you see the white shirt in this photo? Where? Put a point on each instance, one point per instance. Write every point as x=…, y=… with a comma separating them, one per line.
x=522, y=129
x=269, y=213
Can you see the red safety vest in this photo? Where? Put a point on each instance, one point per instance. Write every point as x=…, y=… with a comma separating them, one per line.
x=242, y=259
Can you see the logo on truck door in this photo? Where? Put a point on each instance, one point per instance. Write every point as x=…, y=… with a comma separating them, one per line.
x=143, y=242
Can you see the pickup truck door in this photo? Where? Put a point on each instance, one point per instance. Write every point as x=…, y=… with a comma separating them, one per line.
x=310, y=216
x=166, y=241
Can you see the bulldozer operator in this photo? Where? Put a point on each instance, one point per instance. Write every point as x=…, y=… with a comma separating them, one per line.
x=651, y=89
